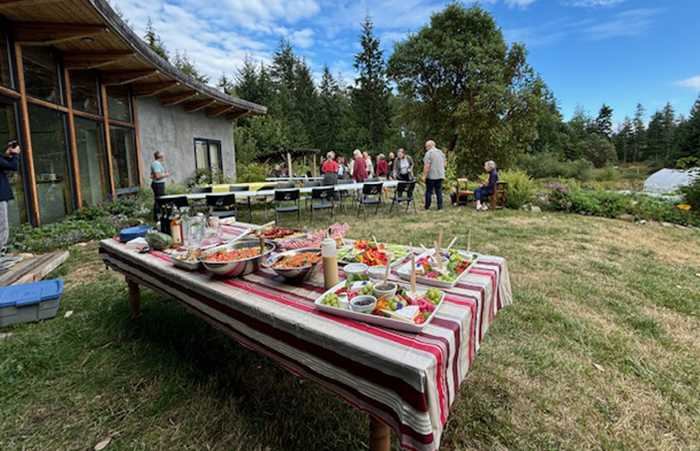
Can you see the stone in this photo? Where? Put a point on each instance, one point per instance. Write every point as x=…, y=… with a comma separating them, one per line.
x=4, y=336
x=535, y=209
x=627, y=217
x=642, y=222
x=682, y=227
x=667, y=224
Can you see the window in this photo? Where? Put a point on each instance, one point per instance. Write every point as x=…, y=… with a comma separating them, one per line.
x=207, y=154
x=83, y=87
x=41, y=74
x=51, y=164
x=124, y=159
x=8, y=130
x=118, y=103
x=5, y=72
x=91, y=160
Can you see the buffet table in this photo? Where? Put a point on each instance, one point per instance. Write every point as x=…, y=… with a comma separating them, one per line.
x=405, y=381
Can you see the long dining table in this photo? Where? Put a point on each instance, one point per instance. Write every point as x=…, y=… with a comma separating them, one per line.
x=406, y=382
x=271, y=192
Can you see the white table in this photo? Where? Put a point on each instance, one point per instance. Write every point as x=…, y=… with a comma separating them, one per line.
x=271, y=192
x=292, y=179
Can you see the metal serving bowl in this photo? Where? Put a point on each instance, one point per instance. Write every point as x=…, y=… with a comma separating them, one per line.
x=293, y=274
x=237, y=268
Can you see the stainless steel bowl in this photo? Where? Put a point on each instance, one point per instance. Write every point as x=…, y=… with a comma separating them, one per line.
x=293, y=274
x=238, y=268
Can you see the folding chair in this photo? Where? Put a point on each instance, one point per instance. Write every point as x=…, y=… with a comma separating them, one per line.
x=311, y=184
x=404, y=193
x=345, y=193
x=287, y=195
x=222, y=205
x=322, y=199
x=200, y=190
x=243, y=203
x=371, y=195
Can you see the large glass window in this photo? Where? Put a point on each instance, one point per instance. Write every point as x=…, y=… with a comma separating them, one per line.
x=124, y=159
x=51, y=164
x=207, y=154
x=83, y=87
x=118, y=103
x=8, y=130
x=5, y=74
x=91, y=160
x=41, y=74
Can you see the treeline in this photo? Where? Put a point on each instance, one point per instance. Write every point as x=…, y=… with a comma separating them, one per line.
x=456, y=81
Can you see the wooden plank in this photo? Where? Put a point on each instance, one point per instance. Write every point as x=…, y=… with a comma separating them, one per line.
x=108, y=140
x=34, y=214
x=93, y=60
x=26, y=270
x=73, y=140
x=9, y=92
x=218, y=110
x=174, y=99
x=191, y=107
x=135, y=115
x=149, y=89
x=9, y=4
x=42, y=269
x=124, y=77
x=46, y=104
x=51, y=33
x=238, y=115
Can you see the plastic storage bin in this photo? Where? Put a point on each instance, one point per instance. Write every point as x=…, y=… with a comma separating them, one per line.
x=29, y=302
x=133, y=232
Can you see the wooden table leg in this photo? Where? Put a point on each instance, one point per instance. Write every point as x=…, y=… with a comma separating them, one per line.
x=134, y=298
x=379, y=435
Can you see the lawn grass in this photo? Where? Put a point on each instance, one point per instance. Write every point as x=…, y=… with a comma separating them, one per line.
x=601, y=351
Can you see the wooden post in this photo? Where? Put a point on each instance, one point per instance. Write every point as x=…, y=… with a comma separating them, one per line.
x=379, y=435
x=289, y=165
x=108, y=139
x=134, y=298
x=73, y=140
x=314, y=165
x=136, y=138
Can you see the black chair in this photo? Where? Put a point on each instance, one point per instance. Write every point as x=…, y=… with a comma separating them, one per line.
x=167, y=208
x=371, y=195
x=311, y=184
x=222, y=205
x=404, y=193
x=264, y=199
x=283, y=196
x=286, y=185
x=345, y=193
x=322, y=199
x=200, y=190
x=242, y=203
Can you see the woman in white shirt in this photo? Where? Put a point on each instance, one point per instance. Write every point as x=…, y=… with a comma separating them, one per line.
x=370, y=167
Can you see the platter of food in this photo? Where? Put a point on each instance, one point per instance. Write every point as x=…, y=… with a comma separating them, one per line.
x=313, y=239
x=294, y=265
x=454, y=263
x=235, y=260
x=363, y=251
x=277, y=234
x=392, y=305
x=187, y=259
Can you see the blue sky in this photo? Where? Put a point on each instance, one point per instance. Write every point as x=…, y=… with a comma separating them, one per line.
x=620, y=52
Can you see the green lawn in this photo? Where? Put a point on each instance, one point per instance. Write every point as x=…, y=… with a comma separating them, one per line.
x=601, y=350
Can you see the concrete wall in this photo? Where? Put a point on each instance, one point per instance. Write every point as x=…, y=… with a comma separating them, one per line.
x=172, y=131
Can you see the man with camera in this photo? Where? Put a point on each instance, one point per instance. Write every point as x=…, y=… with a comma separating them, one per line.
x=8, y=162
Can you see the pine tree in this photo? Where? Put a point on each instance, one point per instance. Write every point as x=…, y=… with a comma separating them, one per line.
x=603, y=123
x=689, y=144
x=329, y=112
x=225, y=84
x=154, y=41
x=370, y=96
x=624, y=140
x=182, y=62
x=640, y=139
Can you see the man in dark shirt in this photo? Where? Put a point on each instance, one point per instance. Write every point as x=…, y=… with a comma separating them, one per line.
x=8, y=162
x=488, y=189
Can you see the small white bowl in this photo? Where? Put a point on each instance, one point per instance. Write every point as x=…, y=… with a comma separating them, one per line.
x=356, y=269
x=387, y=293
x=343, y=301
x=376, y=272
x=363, y=304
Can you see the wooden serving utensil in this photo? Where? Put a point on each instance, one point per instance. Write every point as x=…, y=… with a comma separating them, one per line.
x=413, y=273
x=451, y=243
x=439, y=243
x=388, y=268
x=438, y=256
x=469, y=241
x=393, y=315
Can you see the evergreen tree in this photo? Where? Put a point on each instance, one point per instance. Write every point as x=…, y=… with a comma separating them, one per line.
x=689, y=144
x=603, y=123
x=182, y=62
x=154, y=41
x=370, y=96
x=640, y=139
x=305, y=99
x=329, y=112
x=248, y=81
x=225, y=84
x=624, y=140
x=552, y=136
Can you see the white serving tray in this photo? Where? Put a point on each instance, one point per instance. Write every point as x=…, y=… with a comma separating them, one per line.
x=347, y=247
x=405, y=270
x=375, y=319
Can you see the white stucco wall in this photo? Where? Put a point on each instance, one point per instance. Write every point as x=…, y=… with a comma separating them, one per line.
x=172, y=131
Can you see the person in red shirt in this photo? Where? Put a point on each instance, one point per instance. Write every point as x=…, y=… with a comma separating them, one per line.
x=382, y=167
x=359, y=168
x=329, y=169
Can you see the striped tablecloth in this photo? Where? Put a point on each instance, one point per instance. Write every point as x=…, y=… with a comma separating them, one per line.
x=406, y=380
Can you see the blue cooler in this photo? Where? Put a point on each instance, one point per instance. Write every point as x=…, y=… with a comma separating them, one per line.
x=29, y=302
x=131, y=233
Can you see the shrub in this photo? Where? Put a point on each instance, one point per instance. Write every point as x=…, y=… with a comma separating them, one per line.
x=607, y=174
x=175, y=188
x=548, y=165
x=520, y=188
x=251, y=172
x=691, y=194
x=688, y=162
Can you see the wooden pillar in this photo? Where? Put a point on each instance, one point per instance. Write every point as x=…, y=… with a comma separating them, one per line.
x=136, y=137
x=379, y=435
x=314, y=165
x=134, y=298
x=73, y=140
x=108, y=140
x=27, y=136
x=289, y=165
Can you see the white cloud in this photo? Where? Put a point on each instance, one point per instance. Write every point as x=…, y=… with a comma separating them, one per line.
x=690, y=83
x=519, y=3
x=629, y=23
x=302, y=38
x=594, y=3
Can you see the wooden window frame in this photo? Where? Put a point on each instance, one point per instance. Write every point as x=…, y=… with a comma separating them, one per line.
x=208, y=141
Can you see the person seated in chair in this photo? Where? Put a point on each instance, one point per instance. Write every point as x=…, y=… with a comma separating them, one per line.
x=488, y=189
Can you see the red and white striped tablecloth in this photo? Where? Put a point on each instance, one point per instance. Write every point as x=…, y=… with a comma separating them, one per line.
x=408, y=381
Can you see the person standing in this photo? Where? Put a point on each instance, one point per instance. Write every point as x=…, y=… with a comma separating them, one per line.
x=329, y=170
x=158, y=177
x=434, y=164
x=342, y=168
x=382, y=168
x=488, y=189
x=359, y=167
x=390, y=165
x=368, y=165
x=402, y=167
x=8, y=162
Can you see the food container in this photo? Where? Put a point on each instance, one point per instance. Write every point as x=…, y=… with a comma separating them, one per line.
x=376, y=272
x=363, y=304
x=27, y=302
x=187, y=265
x=293, y=274
x=356, y=269
x=388, y=291
x=237, y=268
x=343, y=301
